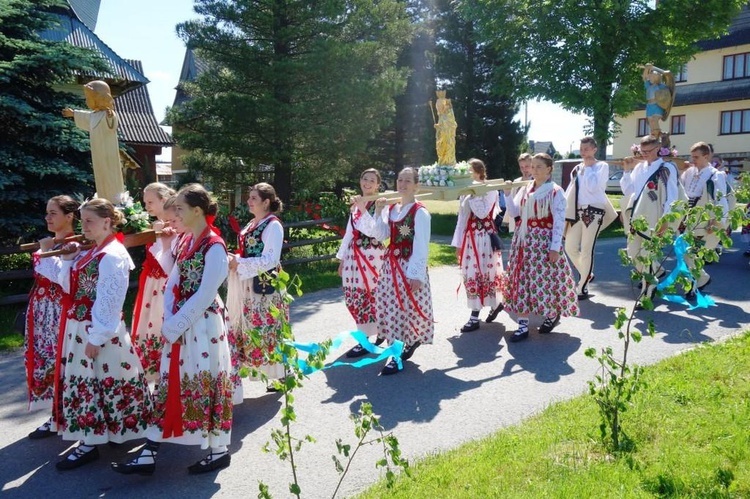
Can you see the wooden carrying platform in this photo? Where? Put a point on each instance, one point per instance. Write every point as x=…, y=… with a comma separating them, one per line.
x=451, y=193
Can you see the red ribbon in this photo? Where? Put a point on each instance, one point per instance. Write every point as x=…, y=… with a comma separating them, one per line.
x=120, y=237
x=173, y=410
x=148, y=265
x=361, y=258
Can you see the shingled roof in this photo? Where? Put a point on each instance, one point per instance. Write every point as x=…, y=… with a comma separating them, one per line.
x=739, y=33
x=87, y=11
x=138, y=124
x=192, y=66
x=122, y=76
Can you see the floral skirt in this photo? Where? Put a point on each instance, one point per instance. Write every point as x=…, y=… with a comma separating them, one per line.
x=104, y=399
x=259, y=320
x=403, y=314
x=359, y=276
x=482, y=270
x=146, y=334
x=205, y=386
x=42, y=331
x=533, y=285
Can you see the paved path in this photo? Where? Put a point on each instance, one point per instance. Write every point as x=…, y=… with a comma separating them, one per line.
x=461, y=388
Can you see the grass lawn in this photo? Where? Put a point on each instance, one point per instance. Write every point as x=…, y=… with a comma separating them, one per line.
x=689, y=428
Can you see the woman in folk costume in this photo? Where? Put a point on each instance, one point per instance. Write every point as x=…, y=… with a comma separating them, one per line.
x=148, y=312
x=402, y=297
x=250, y=294
x=481, y=266
x=43, y=315
x=193, y=399
x=103, y=395
x=361, y=257
x=539, y=279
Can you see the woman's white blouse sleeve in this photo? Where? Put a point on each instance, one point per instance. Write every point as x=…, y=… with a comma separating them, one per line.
x=111, y=288
x=273, y=239
x=417, y=266
x=214, y=273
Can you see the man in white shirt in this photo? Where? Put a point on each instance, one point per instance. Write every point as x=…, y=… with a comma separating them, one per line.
x=651, y=186
x=705, y=185
x=588, y=212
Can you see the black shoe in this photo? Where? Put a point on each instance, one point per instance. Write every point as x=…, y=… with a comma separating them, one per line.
x=356, y=351
x=494, y=313
x=379, y=341
x=43, y=431
x=80, y=458
x=746, y=253
x=209, y=464
x=691, y=295
x=390, y=368
x=584, y=294
x=133, y=468
x=470, y=326
x=519, y=335
x=409, y=351
x=549, y=324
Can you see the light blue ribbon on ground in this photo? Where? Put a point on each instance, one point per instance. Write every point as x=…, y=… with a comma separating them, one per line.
x=680, y=249
x=381, y=353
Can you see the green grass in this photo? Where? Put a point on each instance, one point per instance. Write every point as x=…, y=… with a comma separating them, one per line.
x=688, y=426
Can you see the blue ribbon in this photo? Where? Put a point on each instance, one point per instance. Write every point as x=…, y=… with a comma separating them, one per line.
x=393, y=350
x=680, y=249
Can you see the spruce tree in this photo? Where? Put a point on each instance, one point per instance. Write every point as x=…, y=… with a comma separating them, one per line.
x=42, y=154
x=300, y=86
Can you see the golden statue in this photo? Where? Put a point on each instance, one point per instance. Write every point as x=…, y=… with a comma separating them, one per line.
x=101, y=123
x=445, y=130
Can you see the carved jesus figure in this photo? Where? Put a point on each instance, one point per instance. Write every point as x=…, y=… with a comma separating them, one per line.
x=101, y=122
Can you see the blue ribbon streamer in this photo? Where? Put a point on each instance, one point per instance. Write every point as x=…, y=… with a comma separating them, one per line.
x=680, y=249
x=393, y=350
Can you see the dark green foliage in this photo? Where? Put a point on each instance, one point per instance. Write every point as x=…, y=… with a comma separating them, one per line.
x=584, y=54
x=484, y=110
x=300, y=86
x=41, y=153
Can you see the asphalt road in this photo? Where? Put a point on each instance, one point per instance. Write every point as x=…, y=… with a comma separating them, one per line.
x=461, y=388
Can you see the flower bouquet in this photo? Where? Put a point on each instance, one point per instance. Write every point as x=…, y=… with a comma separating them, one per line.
x=436, y=175
x=137, y=227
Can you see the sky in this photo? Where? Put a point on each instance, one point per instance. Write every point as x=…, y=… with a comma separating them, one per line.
x=145, y=30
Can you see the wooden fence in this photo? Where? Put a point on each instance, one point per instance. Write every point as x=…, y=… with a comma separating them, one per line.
x=27, y=274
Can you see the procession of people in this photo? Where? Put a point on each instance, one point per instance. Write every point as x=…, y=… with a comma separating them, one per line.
x=173, y=376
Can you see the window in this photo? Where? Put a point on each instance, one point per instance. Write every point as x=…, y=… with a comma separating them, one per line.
x=680, y=75
x=736, y=66
x=735, y=122
x=643, y=128
x=678, y=125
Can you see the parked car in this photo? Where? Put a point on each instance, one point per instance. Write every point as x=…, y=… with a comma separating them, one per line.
x=613, y=183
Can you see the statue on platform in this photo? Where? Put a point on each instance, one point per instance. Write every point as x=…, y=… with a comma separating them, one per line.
x=445, y=130
x=660, y=93
x=101, y=123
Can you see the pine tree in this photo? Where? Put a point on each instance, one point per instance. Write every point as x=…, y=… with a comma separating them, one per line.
x=484, y=114
x=41, y=153
x=300, y=86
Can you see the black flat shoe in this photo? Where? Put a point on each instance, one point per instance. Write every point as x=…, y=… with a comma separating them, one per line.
x=472, y=325
x=494, y=313
x=584, y=294
x=132, y=468
x=204, y=466
x=409, y=351
x=80, y=458
x=519, y=336
x=391, y=368
x=356, y=351
x=549, y=324
x=41, y=433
